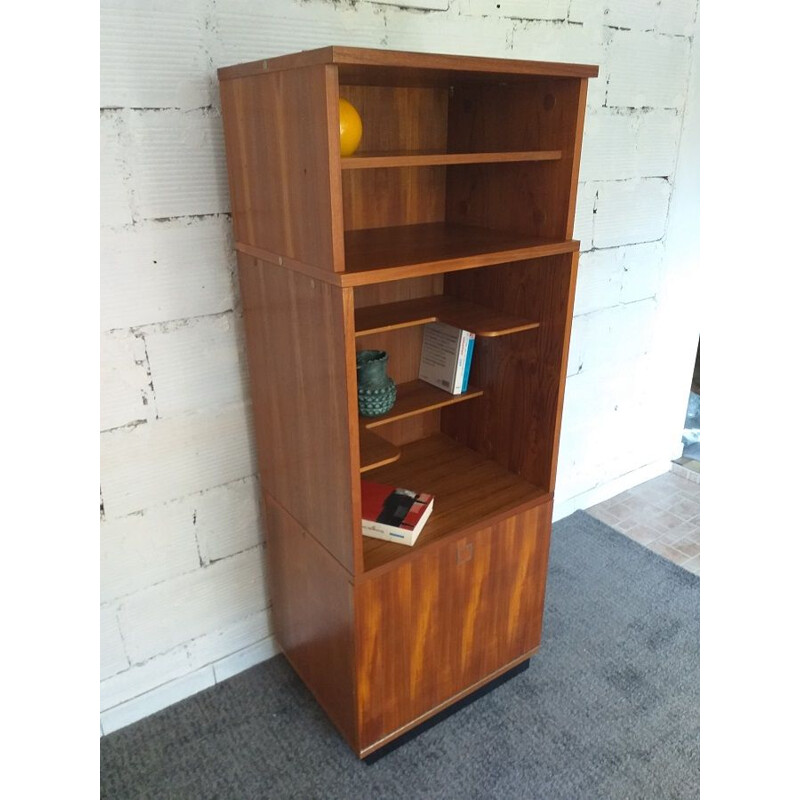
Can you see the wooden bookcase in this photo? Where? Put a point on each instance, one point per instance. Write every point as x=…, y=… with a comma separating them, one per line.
x=458, y=206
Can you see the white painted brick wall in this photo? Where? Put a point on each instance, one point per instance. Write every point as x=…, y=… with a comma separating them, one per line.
x=153, y=55
x=631, y=211
x=112, y=650
x=518, y=9
x=140, y=550
x=676, y=17
x=147, y=270
x=624, y=145
x=179, y=161
x=169, y=458
x=431, y=5
x=184, y=600
x=125, y=395
x=169, y=613
x=197, y=363
x=617, y=276
x=227, y=519
x=115, y=207
x=142, y=677
x=583, y=229
x=647, y=70
x=611, y=336
x=632, y=14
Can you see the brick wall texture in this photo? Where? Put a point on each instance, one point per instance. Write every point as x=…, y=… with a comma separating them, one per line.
x=184, y=600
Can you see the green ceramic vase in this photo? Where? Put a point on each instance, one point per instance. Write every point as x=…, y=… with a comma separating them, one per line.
x=376, y=390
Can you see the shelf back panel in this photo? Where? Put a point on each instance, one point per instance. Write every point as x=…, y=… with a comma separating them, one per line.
x=396, y=118
x=380, y=198
x=535, y=198
x=517, y=421
x=403, y=346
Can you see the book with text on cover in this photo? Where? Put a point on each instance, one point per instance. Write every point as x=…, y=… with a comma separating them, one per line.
x=446, y=356
x=393, y=514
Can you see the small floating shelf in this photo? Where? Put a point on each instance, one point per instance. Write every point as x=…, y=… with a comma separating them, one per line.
x=478, y=319
x=430, y=158
x=375, y=451
x=417, y=397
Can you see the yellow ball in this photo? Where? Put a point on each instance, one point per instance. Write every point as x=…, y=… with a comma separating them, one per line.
x=350, y=129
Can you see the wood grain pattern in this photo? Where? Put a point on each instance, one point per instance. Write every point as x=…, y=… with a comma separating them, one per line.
x=418, y=397
x=283, y=164
x=375, y=451
x=313, y=613
x=426, y=630
x=396, y=118
x=410, y=250
x=295, y=329
x=403, y=346
x=402, y=158
x=575, y=157
x=521, y=374
x=470, y=490
x=480, y=320
x=459, y=206
x=378, y=198
x=530, y=198
x=360, y=63
x=399, y=118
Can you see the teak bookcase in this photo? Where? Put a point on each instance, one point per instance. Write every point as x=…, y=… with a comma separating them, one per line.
x=458, y=206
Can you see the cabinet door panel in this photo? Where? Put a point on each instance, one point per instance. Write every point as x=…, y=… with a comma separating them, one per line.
x=443, y=622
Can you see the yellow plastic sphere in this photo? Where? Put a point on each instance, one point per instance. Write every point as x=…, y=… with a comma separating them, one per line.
x=350, y=129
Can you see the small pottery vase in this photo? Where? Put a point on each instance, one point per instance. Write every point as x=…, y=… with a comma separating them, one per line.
x=376, y=390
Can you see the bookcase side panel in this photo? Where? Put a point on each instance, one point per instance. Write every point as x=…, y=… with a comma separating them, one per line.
x=556, y=340
x=313, y=615
x=283, y=163
x=297, y=348
x=437, y=626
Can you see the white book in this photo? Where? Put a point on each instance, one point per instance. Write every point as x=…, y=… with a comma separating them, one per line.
x=444, y=356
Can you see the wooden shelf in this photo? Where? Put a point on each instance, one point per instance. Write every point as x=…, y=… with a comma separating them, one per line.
x=439, y=158
x=417, y=397
x=468, y=490
x=376, y=255
x=375, y=450
x=478, y=319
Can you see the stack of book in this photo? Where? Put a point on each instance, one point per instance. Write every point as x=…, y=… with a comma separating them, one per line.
x=393, y=514
x=446, y=356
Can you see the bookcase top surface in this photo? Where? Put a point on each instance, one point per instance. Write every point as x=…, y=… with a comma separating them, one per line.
x=357, y=63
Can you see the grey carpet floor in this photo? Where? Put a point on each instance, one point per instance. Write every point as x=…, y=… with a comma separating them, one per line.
x=609, y=708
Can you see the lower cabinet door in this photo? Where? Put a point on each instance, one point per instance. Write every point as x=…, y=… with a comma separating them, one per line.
x=448, y=620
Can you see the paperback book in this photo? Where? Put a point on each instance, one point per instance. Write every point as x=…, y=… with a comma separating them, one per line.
x=446, y=356
x=393, y=514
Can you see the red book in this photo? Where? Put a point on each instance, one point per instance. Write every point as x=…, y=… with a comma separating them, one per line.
x=393, y=514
